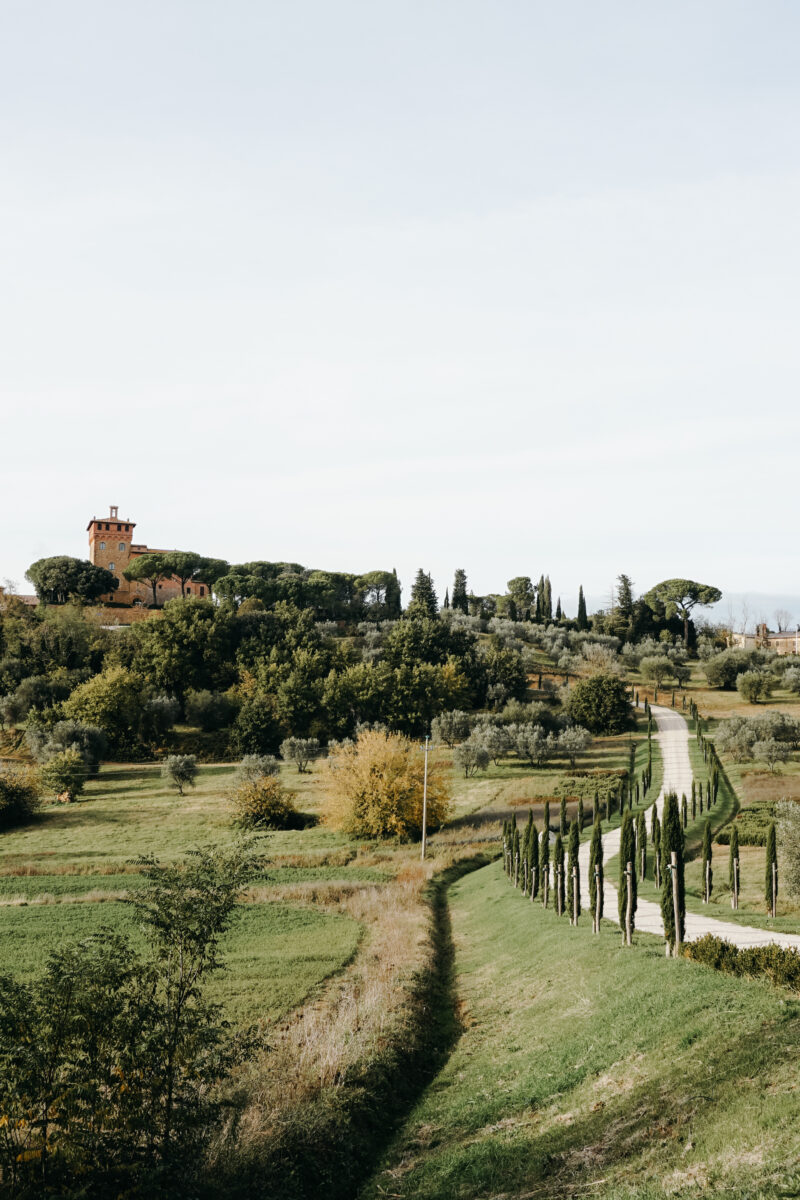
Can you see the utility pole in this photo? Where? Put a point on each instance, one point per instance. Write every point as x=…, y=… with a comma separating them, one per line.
x=425, y=799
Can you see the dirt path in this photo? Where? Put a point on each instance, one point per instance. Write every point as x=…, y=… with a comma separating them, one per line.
x=673, y=738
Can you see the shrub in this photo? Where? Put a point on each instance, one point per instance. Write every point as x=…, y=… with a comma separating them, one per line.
x=65, y=774
x=300, y=751
x=451, y=727
x=19, y=797
x=264, y=803
x=754, y=686
x=89, y=741
x=209, y=710
x=791, y=679
x=780, y=966
x=722, y=670
x=180, y=771
x=787, y=815
x=471, y=756
x=256, y=766
x=600, y=704
x=375, y=787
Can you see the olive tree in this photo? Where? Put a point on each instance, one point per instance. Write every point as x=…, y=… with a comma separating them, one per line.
x=180, y=771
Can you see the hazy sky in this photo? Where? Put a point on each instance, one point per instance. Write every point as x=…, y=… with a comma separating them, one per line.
x=507, y=286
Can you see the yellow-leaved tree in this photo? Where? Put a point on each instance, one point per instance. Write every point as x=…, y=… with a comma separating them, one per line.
x=375, y=787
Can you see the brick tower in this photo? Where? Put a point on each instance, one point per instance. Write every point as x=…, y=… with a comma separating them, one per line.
x=110, y=541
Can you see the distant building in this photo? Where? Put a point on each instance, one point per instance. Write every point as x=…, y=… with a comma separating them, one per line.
x=111, y=545
x=762, y=639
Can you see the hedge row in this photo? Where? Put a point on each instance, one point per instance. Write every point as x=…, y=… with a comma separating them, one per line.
x=774, y=963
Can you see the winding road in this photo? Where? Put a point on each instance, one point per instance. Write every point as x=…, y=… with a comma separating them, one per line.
x=673, y=738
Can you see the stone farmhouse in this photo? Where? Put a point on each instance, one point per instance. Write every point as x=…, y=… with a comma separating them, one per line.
x=111, y=545
x=763, y=639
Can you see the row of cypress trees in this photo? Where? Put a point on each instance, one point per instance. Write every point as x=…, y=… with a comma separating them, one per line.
x=527, y=862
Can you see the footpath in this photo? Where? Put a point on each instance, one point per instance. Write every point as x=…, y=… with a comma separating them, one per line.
x=673, y=738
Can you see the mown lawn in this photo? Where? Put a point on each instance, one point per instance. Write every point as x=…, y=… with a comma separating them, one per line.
x=584, y=1069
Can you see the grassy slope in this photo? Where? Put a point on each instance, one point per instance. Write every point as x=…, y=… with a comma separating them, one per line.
x=585, y=1069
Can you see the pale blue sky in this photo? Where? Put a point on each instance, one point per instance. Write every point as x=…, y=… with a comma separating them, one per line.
x=508, y=286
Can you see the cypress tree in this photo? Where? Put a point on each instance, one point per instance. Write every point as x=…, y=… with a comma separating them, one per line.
x=672, y=841
x=714, y=783
x=516, y=857
x=700, y=797
x=627, y=854
x=641, y=845
x=505, y=845
x=423, y=597
x=684, y=811
x=581, y=815
x=573, y=884
x=733, y=859
x=708, y=793
x=583, y=620
x=772, y=860
x=694, y=801
x=708, y=874
x=562, y=817
x=656, y=850
x=446, y=601
x=526, y=852
x=596, y=805
x=547, y=602
x=596, y=874
x=558, y=866
x=544, y=858
x=547, y=816
x=533, y=859
x=559, y=613
x=459, y=599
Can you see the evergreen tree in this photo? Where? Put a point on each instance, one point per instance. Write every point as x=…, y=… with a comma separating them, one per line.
x=559, y=613
x=596, y=873
x=641, y=845
x=732, y=864
x=558, y=867
x=547, y=602
x=581, y=815
x=627, y=854
x=694, y=800
x=547, y=816
x=562, y=817
x=423, y=597
x=625, y=596
x=459, y=599
x=446, y=603
x=539, y=598
x=583, y=620
x=672, y=840
x=772, y=860
x=533, y=859
x=505, y=845
x=526, y=852
x=573, y=884
x=657, y=873
x=544, y=858
x=684, y=811
x=708, y=874
x=516, y=857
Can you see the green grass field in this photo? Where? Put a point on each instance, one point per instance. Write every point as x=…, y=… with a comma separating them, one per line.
x=584, y=1069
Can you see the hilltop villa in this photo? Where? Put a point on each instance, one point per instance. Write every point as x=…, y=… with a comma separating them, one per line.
x=762, y=639
x=111, y=545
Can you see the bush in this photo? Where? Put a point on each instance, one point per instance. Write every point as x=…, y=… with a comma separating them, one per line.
x=300, y=751
x=471, y=756
x=256, y=766
x=601, y=705
x=781, y=967
x=787, y=814
x=65, y=774
x=754, y=686
x=451, y=727
x=89, y=741
x=722, y=670
x=180, y=771
x=264, y=803
x=209, y=710
x=19, y=797
x=375, y=787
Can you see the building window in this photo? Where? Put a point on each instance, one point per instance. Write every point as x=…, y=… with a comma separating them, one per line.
x=111, y=566
x=202, y=591
x=102, y=545
x=122, y=547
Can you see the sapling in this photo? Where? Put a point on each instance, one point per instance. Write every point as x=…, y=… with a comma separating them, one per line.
x=626, y=895
x=596, y=875
x=771, y=877
x=733, y=867
x=708, y=874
